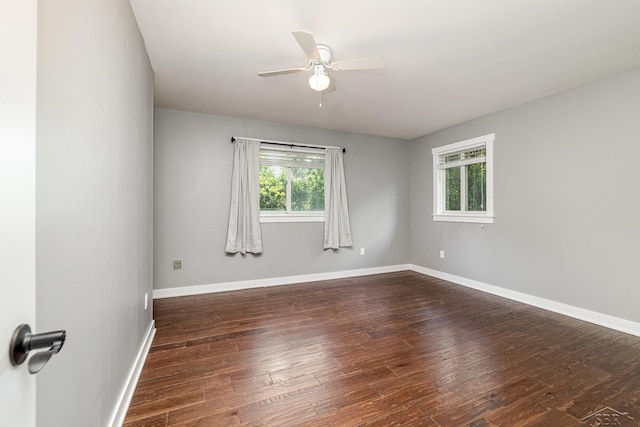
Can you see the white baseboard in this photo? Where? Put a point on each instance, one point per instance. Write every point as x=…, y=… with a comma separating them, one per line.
x=117, y=419
x=605, y=320
x=274, y=281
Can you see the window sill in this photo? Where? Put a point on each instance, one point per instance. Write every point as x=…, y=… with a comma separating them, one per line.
x=291, y=218
x=476, y=219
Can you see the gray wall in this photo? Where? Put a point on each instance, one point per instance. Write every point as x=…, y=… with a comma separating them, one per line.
x=566, y=200
x=192, y=180
x=94, y=204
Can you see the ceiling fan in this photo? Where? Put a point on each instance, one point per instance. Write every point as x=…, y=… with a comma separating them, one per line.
x=320, y=61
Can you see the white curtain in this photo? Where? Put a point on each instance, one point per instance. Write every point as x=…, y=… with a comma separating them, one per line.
x=337, y=229
x=244, y=233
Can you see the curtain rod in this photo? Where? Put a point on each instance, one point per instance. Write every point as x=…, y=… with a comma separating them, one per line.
x=287, y=144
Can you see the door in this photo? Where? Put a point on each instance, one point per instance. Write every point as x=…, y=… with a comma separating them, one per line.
x=18, y=29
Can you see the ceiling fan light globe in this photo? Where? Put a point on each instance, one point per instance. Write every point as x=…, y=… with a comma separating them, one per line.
x=319, y=82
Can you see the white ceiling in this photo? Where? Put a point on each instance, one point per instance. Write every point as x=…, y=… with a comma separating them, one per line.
x=447, y=61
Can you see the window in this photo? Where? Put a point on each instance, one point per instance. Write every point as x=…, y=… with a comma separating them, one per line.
x=463, y=181
x=291, y=185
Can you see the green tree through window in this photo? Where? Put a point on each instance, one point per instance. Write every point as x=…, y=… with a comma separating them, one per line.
x=452, y=188
x=307, y=189
x=477, y=187
x=273, y=188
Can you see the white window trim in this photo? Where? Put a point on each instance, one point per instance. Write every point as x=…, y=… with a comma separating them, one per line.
x=439, y=213
x=292, y=216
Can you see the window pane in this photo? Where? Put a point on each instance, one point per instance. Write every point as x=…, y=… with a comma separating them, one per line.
x=477, y=187
x=452, y=189
x=273, y=188
x=474, y=153
x=450, y=158
x=307, y=189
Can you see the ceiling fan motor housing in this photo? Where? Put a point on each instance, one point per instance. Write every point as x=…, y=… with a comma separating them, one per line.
x=325, y=53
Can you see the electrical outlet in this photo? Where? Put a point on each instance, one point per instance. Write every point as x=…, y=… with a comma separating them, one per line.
x=361, y=251
x=146, y=301
x=442, y=254
x=177, y=264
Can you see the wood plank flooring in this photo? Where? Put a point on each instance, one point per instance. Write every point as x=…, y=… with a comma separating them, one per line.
x=397, y=349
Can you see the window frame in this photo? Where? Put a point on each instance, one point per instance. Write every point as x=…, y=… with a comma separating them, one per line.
x=290, y=215
x=439, y=208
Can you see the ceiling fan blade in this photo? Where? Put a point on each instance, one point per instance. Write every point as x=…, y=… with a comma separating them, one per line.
x=308, y=44
x=373, y=63
x=278, y=72
x=331, y=88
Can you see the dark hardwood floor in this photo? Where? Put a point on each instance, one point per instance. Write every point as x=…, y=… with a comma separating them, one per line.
x=398, y=349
